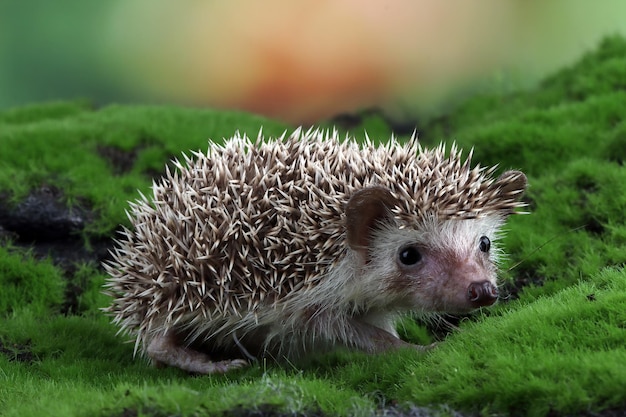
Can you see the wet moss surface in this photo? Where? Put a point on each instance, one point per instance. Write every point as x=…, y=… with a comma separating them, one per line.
x=554, y=346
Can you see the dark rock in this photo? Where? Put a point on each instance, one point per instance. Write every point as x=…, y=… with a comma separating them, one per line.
x=121, y=161
x=41, y=216
x=17, y=352
x=48, y=228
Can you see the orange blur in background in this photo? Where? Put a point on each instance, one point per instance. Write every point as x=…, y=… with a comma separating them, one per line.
x=305, y=60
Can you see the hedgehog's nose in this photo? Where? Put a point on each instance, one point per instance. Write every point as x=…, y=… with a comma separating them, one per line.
x=482, y=294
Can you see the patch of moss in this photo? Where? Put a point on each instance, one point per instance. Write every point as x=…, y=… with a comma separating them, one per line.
x=83, y=291
x=62, y=146
x=82, y=369
x=44, y=111
x=581, y=230
x=558, y=355
x=575, y=112
x=28, y=283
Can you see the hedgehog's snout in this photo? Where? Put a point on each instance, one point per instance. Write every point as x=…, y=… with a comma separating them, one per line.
x=481, y=294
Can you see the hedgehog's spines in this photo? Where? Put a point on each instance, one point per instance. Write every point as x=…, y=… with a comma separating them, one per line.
x=234, y=232
x=259, y=138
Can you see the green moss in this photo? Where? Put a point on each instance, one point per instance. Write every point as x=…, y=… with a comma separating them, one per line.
x=70, y=149
x=27, y=283
x=81, y=368
x=581, y=229
x=45, y=111
x=558, y=354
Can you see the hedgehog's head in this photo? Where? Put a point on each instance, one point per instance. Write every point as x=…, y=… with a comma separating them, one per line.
x=437, y=261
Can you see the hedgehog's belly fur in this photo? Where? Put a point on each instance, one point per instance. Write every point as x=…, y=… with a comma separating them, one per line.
x=244, y=339
x=286, y=331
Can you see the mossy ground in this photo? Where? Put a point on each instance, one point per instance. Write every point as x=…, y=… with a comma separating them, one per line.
x=556, y=346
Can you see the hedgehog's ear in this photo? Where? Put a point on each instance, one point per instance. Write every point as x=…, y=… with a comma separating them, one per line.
x=511, y=185
x=366, y=208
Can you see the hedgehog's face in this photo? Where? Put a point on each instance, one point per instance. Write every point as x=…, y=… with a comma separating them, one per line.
x=441, y=266
x=438, y=265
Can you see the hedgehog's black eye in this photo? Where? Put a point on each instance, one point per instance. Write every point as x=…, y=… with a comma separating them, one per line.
x=485, y=244
x=409, y=255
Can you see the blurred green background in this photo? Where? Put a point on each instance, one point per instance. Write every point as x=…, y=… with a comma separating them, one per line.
x=53, y=50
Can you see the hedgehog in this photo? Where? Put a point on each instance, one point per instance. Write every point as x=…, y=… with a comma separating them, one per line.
x=304, y=243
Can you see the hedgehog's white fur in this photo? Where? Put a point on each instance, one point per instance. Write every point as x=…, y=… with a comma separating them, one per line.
x=249, y=238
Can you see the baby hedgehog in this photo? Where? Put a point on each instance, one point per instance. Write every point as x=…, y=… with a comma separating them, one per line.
x=304, y=243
